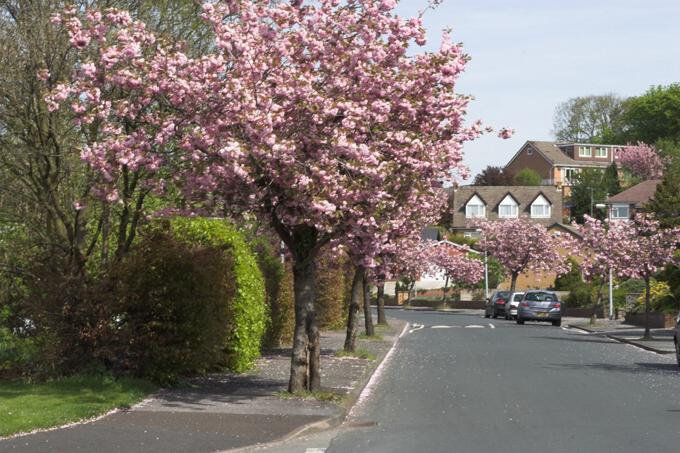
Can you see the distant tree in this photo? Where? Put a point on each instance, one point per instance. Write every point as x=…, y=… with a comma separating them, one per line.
x=493, y=176
x=522, y=245
x=528, y=177
x=653, y=116
x=666, y=200
x=588, y=119
x=588, y=189
x=570, y=280
x=611, y=180
x=641, y=160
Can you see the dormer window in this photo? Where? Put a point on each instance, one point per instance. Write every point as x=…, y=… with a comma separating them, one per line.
x=508, y=208
x=585, y=151
x=601, y=152
x=540, y=208
x=475, y=208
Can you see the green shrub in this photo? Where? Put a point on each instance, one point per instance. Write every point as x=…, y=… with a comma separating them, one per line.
x=331, y=286
x=571, y=279
x=278, y=279
x=172, y=310
x=248, y=308
x=580, y=296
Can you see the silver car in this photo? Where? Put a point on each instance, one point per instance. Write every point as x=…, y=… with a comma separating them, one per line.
x=540, y=306
x=511, y=307
x=676, y=338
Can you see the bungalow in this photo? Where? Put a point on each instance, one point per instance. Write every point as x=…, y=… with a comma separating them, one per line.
x=626, y=204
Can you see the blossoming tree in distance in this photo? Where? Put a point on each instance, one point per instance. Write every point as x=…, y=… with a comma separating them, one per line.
x=641, y=160
x=521, y=245
x=644, y=249
x=602, y=242
x=312, y=115
x=457, y=266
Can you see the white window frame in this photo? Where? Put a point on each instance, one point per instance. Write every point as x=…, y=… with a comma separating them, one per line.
x=508, y=201
x=566, y=179
x=602, y=152
x=529, y=151
x=476, y=203
x=542, y=202
x=614, y=211
x=585, y=151
x=472, y=234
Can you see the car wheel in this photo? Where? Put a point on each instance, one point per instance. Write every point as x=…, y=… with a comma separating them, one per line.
x=486, y=315
x=507, y=317
x=494, y=315
x=520, y=321
x=557, y=323
x=677, y=351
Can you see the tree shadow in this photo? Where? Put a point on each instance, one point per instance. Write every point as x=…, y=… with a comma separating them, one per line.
x=580, y=339
x=639, y=368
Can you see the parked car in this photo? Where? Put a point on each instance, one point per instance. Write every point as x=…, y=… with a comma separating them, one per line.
x=540, y=305
x=496, y=305
x=676, y=338
x=511, y=307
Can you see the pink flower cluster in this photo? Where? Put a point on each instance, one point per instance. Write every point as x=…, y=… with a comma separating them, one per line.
x=641, y=160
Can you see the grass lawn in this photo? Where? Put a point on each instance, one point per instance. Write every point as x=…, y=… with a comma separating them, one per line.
x=28, y=406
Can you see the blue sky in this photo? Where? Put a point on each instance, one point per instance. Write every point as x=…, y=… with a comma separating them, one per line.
x=530, y=55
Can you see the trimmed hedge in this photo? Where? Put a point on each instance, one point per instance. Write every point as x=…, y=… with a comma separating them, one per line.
x=249, y=310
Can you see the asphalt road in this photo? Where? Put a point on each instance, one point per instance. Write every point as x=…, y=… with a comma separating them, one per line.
x=450, y=387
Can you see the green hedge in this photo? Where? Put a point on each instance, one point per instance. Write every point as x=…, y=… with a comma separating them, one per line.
x=250, y=314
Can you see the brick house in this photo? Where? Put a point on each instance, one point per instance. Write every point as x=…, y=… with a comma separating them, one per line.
x=626, y=204
x=543, y=204
x=558, y=163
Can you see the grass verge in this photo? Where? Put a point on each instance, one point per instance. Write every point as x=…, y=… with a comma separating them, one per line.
x=359, y=353
x=28, y=406
x=321, y=395
x=375, y=337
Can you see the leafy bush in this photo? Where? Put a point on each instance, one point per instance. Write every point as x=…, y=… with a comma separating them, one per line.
x=248, y=307
x=278, y=279
x=571, y=279
x=172, y=311
x=580, y=296
x=331, y=287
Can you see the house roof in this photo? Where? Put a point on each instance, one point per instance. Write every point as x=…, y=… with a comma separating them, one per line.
x=567, y=228
x=554, y=155
x=637, y=195
x=493, y=195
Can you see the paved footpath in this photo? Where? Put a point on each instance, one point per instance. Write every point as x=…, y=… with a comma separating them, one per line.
x=222, y=412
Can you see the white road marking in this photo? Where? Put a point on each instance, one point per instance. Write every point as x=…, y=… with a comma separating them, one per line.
x=492, y=326
x=377, y=374
x=404, y=330
x=416, y=327
x=474, y=326
x=441, y=327
x=315, y=450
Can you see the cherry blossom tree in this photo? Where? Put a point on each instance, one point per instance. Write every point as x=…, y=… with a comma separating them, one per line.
x=457, y=266
x=521, y=245
x=309, y=114
x=601, y=244
x=641, y=160
x=644, y=249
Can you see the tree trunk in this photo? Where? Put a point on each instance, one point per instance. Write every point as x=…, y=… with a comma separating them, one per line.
x=513, y=281
x=382, y=319
x=304, y=368
x=446, y=288
x=368, y=317
x=647, y=335
x=410, y=290
x=596, y=304
x=351, y=336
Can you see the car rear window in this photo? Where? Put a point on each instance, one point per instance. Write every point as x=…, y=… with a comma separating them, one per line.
x=541, y=297
x=502, y=295
x=518, y=297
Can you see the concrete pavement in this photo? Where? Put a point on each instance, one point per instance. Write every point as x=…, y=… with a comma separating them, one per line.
x=222, y=412
x=661, y=342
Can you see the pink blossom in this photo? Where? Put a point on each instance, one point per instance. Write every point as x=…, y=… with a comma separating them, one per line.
x=641, y=160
